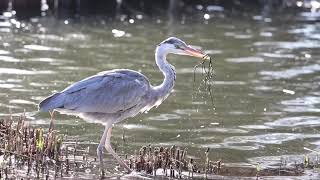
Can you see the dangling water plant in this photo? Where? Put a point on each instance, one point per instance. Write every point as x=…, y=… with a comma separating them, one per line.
x=207, y=77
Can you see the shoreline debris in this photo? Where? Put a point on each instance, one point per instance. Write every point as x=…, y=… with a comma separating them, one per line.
x=27, y=152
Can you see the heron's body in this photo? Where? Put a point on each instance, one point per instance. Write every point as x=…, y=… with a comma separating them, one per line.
x=112, y=96
x=108, y=96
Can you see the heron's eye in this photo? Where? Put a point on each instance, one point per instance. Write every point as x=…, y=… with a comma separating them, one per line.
x=177, y=46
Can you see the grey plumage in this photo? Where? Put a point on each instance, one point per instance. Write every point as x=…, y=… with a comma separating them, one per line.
x=106, y=92
x=50, y=103
x=109, y=95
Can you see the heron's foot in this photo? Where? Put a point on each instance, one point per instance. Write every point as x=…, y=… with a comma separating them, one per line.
x=103, y=173
x=127, y=168
x=100, y=158
x=127, y=171
x=51, y=126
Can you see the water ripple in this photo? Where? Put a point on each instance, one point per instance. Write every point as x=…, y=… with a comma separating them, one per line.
x=223, y=130
x=302, y=104
x=302, y=101
x=296, y=121
x=36, y=84
x=247, y=147
x=165, y=117
x=75, y=36
x=269, y=161
x=245, y=59
x=273, y=138
x=23, y=72
x=10, y=86
x=9, y=59
x=244, y=147
x=21, y=101
x=293, y=72
x=9, y=107
x=189, y=70
x=229, y=83
x=289, y=45
x=211, y=146
x=213, y=51
x=139, y=127
x=4, y=52
x=51, y=37
x=50, y=60
x=255, y=127
x=72, y=68
x=277, y=55
x=238, y=35
x=41, y=48
x=185, y=111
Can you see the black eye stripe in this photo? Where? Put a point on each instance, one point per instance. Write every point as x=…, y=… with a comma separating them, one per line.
x=176, y=43
x=170, y=41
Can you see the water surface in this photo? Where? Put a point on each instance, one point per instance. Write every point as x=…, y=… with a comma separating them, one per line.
x=265, y=92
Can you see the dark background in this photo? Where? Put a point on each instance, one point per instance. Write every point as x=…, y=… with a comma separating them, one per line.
x=113, y=8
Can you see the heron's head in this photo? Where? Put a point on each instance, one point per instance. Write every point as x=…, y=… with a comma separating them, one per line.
x=176, y=46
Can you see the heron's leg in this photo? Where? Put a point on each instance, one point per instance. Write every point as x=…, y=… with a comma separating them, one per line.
x=114, y=154
x=100, y=149
x=51, y=126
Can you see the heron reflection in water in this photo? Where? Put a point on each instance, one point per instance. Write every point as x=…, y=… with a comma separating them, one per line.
x=112, y=96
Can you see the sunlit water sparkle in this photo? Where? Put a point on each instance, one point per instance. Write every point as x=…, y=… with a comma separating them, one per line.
x=253, y=61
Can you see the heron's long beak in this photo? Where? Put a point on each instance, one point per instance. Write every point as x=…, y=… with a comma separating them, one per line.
x=196, y=53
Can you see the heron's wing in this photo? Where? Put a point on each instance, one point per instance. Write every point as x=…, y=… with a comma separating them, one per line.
x=107, y=92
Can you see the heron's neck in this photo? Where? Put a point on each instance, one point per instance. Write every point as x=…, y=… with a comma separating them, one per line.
x=168, y=71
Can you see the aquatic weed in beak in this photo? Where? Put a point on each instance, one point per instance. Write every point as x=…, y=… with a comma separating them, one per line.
x=207, y=74
x=206, y=57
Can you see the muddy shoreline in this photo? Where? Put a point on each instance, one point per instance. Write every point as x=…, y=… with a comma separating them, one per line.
x=27, y=152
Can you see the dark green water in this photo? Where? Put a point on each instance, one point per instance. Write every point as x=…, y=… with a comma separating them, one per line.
x=266, y=87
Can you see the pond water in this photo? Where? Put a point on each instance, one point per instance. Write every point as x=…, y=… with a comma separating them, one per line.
x=266, y=99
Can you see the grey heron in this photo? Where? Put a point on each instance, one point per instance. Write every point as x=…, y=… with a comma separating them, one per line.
x=112, y=96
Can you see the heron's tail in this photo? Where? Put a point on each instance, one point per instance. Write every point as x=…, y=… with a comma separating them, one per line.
x=52, y=102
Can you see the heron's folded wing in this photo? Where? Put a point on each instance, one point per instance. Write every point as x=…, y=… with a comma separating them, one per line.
x=106, y=93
